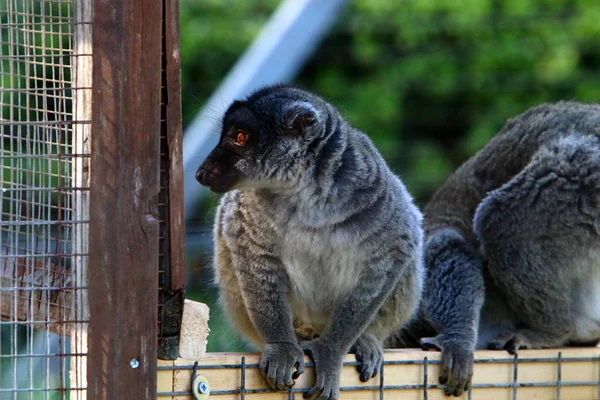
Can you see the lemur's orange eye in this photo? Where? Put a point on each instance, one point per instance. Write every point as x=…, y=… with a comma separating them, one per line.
x=241, y=137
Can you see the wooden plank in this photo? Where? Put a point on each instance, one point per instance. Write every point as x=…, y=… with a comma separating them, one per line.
x=82, y=111
x=493, y=380
x=194, y=330
x=172, y=226
x=175, y=140
x=36, y=305
x=164, y=379
x=123, y=273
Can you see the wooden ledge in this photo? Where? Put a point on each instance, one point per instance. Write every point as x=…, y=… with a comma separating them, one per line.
x=571, y=373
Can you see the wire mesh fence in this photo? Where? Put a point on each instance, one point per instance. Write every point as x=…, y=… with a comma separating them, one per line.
x=571, y=373
x=45, y=138
x=45, y=86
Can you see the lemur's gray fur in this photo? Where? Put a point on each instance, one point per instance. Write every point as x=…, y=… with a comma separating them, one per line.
x=315, y=236
x=513, y=243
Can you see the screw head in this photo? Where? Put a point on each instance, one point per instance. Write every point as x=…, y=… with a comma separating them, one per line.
x=134, y=363
x=203, y=387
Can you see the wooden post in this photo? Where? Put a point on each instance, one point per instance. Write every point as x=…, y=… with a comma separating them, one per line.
x=82, y=111
x=123, y=263
x=172, y=224
x=175, y=142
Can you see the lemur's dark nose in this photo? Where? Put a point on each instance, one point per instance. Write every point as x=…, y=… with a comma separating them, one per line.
x=201, y=175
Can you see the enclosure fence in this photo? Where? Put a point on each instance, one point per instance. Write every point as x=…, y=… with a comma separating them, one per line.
x=561, y=374
x=90, y=178
x=92, y=229
x=45, y=82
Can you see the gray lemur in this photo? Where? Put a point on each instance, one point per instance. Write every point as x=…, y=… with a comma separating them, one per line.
x=512, y=243
x=315, y=235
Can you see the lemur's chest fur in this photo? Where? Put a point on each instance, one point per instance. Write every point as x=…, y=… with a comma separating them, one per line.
x=323, y=268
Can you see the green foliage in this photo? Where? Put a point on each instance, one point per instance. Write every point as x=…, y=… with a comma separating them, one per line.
x=441, y=77
x=429, y=80
x=214, y=33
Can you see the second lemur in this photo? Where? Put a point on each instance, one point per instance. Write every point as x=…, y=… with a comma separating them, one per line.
x=314, y=231
x=513, y=243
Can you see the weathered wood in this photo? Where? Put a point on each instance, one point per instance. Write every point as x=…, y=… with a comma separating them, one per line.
x=82, y=111
x=172, y=228
x=165, y=377
x=36, y=305
x=538, y=369
x=175, y=139
x=123, y=273
x=194, y=330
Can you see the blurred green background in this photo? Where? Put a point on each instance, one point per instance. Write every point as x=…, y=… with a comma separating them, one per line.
x=429, y=80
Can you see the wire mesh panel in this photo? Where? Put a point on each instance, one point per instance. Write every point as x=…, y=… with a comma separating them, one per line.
x=45, y=79
x=561, y=374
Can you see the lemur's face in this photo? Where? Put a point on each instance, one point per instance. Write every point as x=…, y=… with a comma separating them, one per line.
x=263, y=143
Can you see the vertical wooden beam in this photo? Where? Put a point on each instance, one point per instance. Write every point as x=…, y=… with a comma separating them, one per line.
x=123, y=265
x=172, y=228
x=175, y=140
x=82, y=111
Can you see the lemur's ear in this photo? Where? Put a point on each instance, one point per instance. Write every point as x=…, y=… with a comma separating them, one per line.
x=299, y=116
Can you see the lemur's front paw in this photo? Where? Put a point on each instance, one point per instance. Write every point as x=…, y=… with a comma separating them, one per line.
x=369, y=354
x=328, y=364
x=277, y=362
x=457, y=362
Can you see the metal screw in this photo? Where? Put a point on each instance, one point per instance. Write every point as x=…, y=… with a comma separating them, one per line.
x=203, y=387
x=134, y=363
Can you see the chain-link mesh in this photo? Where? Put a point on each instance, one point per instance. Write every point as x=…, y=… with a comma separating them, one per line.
x=45, y=79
